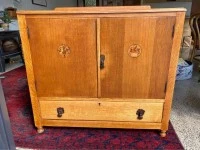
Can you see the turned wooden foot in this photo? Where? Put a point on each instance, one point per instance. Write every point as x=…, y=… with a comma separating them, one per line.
x=163, y=133
x=40, y=130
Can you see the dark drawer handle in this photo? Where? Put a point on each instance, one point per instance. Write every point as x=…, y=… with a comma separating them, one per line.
x=102, y=59
x=140, y=113
x=60, y=111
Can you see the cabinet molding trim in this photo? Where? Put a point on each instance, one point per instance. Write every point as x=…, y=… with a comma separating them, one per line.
x=172, y=69
x=102, y=124
x=29, y=70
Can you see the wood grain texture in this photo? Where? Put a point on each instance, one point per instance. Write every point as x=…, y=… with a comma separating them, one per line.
x=99, y=10
x=74, y=75
x=101, y=124
x=161, y=56
x=98, y=57
x=29, y=70
x=115, y=15
x=102, y=111
x=101, y=99
x=172, y=69
x=141, y=77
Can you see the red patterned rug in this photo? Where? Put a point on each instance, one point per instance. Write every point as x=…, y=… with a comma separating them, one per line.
x=25, y=135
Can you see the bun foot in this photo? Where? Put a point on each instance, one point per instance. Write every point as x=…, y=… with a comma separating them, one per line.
x=40, y=130
x=163, y=133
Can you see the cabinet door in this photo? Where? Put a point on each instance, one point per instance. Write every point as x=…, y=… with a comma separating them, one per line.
x=64, y=56
x=137, y=54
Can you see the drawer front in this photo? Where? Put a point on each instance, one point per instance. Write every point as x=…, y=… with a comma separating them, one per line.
x=101, y=110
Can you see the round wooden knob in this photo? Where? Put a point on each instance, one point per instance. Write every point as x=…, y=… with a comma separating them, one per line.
x=134, y=51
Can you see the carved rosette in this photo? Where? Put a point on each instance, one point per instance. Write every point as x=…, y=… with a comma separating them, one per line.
x=134, y=50
x=64, y=50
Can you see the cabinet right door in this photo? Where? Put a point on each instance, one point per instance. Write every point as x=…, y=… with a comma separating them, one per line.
x=137, y=54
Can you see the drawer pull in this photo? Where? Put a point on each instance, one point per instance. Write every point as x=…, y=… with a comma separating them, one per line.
x=102, y=59
x=140, y=113
x=60, y=111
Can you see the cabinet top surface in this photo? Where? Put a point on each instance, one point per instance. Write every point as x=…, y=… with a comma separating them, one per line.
x=102, y=10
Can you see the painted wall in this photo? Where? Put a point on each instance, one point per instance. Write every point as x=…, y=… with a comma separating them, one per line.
x=5, y=3
x=51, y=4
x=27, y=5
x=65, y=3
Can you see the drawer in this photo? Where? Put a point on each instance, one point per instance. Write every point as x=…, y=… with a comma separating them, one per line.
x=101, y=110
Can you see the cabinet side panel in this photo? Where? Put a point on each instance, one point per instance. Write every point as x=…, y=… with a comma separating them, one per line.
x=172, y=69
x=29, y=69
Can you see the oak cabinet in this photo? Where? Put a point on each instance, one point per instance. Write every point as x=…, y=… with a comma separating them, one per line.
x=110, y=67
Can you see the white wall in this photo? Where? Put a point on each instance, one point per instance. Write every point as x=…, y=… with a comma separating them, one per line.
x=27, y=4
x=5, y=3
x=65, y=3
x=51, y=4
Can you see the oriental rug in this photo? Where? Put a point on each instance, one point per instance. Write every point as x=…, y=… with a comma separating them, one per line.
x=25, y=135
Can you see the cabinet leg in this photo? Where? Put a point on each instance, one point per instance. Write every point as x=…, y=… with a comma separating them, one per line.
x=163, y=133
x=40, y=129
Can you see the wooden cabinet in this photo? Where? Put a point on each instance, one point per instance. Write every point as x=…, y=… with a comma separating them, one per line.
x=108, y=67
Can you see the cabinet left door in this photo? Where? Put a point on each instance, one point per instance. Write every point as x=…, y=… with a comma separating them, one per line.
x=64, y=56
